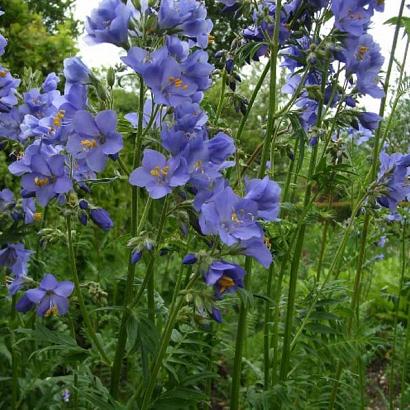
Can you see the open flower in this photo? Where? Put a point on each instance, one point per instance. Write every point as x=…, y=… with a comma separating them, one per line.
x=230, y=217
x=225, y=277
x=48, y=178
x=159, y=175
x=109, y=23
x=50, y=298
x=95, y=138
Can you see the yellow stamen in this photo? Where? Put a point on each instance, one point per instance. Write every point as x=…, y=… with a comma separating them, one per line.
x=57, y=120
x=3, y=74
x=198, y=165
x=225, y=283
x=211, y=39
x=178, y=83
x=362, y=52
x=89, y=143
x=53, y=311
x=234, y=217
x=41, y=181
x=156, y=172
x=37, y=216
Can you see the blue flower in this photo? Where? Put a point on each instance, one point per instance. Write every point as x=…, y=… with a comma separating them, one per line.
x=10, y=124
x=393, y=176
x=364, y=59
x=3, y=44
x=266, y=194
x=50, y=298
x=75, y=71
x=188, y=16
x=8, y=86
x=50, y=83
x=257, y=249
x=109, y=23
x=230, y=217
x=369, y=120
x=15, y=257
x=23, y=164
x=225, y=277
x=159, y=175
x=172, y=82
x=48, y=177
x=6, y=199
x=95, y=138
x=351, y=17
x=30, y=213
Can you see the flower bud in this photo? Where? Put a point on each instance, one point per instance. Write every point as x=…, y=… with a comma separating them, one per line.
x=110, y=77
x=82, y=217
x=101, y=218
x=83, y=204
x=136, y=257
x=189, y=259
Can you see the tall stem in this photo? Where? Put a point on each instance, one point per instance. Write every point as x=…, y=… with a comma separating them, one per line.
x=294, y=269
x=266, y=325
x=14, y=357
x=221, y=98
x=175, y=308
x=122, y=336
x=90, y=329
x=240, y=341
x=396, y=317
x=241, y=330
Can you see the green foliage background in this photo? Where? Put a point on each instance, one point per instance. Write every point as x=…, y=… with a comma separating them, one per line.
x=200, y=357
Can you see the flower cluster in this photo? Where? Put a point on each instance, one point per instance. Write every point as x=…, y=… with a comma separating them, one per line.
x=39, y=126
x=347, y=44
x=178, y=73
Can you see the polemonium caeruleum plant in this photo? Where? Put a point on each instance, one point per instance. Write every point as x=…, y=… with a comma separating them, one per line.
x=192, y=195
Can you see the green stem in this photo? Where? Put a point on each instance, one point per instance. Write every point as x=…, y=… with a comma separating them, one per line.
x=151, y=265
x=221, y=98
x=276, y=318
x=90, y=329
x=175, y=308
x=241, y=330
x=406, y=354
x=396, y=317
x=294, y=269
x=322, y=250
x=122, y=336
x=14, y=358
x=240, y=341
x=266, y=325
